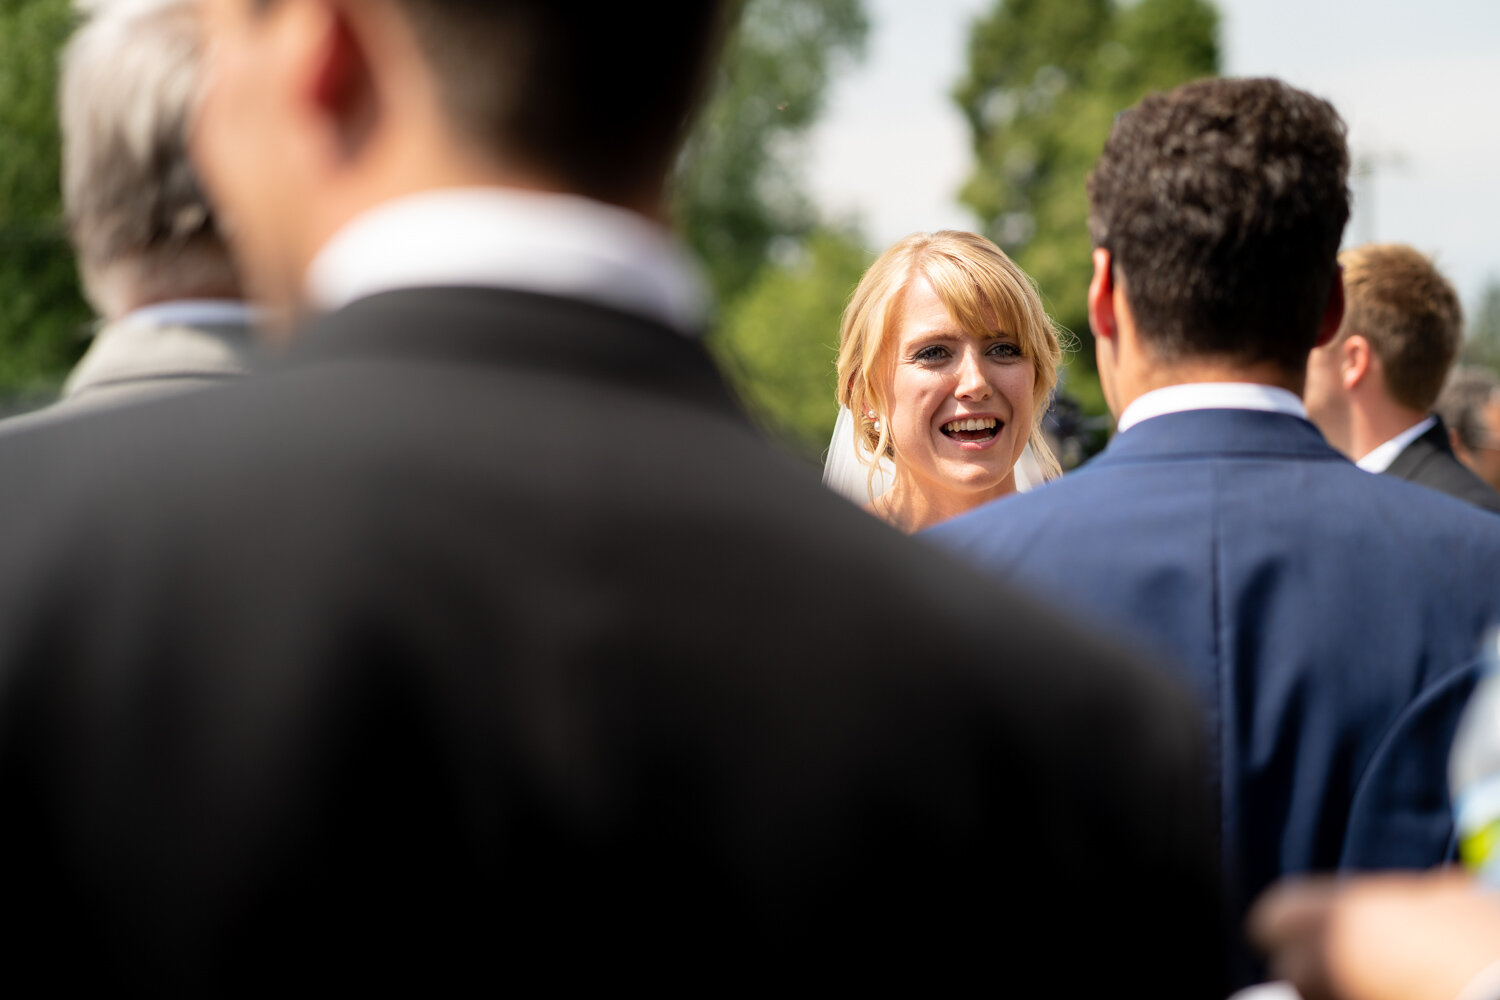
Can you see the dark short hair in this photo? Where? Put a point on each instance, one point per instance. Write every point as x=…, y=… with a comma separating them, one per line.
x=1222, y=203
x=1395, y=298
x=568, y=90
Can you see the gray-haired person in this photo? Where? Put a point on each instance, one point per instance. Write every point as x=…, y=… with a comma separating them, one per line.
x=152, y=260
x=1470, y=406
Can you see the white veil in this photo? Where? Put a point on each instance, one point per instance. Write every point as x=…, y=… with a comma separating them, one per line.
x=847, y=476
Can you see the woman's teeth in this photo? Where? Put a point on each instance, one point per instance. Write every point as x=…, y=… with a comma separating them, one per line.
x=970, y=424
x=972, y=428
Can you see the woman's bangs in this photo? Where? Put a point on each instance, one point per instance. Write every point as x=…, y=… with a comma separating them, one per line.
x=985, y=306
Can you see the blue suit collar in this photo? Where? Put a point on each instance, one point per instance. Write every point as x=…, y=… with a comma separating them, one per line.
x=1218, y=434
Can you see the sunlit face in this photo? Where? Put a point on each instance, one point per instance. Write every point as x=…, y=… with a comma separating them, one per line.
x=960, y=409
x=239, y=148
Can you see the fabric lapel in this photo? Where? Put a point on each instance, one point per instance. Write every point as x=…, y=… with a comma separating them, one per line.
x=1433, y=442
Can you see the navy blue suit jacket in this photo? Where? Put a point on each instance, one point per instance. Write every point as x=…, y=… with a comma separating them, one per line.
x=1327, y=618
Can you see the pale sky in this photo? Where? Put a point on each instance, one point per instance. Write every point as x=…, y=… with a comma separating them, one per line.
x=1418, y=84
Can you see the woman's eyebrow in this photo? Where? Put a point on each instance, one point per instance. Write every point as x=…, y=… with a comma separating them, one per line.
x=937, y=333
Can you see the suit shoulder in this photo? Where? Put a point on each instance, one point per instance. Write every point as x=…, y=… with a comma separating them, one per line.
x=1442, y=493
x=1446, y=474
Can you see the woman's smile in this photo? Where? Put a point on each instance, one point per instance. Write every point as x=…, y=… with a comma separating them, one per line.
x=977, y=432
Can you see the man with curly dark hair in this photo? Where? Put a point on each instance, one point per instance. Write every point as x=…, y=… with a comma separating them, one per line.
x=1298, y=595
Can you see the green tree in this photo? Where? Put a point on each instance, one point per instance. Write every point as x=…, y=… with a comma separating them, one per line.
x=42, y=314
x=1482, y=339
x=1045, y=80
x=779, y=341
x=779, y=272
x=738, y=192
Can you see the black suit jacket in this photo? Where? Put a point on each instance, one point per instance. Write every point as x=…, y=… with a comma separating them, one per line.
x=487, y=639
x=1429, y=460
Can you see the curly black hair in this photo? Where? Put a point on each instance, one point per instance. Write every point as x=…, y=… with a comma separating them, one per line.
x=1222, y=204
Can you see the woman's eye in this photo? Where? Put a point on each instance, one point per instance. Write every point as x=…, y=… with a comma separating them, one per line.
x=931, y=353
x=1005, y=349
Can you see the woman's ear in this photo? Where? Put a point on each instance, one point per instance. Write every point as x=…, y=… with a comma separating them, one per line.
x=860, y=404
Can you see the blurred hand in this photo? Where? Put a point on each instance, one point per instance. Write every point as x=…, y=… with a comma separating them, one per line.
x=1378, y=937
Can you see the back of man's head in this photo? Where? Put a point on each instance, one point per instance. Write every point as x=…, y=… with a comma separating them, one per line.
x=139, y=222
x=1461, y=404
x=1409, y=314
x=572, y=92
x=1222, y=204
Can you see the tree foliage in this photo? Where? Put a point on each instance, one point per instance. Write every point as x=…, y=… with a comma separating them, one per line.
x=1482, y=340
x=779, y=342
x=1045, y=80
x=42, y=314
x=738, y=190
x=781, y=275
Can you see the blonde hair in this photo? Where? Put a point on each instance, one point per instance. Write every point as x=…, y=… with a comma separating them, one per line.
x=981, y=287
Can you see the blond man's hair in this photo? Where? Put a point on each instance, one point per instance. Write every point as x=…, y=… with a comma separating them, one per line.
x=1398, y=301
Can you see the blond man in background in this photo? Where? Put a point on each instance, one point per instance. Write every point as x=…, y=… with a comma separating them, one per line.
x=1371, y=390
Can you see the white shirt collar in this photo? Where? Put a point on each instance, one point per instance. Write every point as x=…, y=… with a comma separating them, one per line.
x=1379, y=459
x=1210, y=396
x=195, y=312
x=503, y=238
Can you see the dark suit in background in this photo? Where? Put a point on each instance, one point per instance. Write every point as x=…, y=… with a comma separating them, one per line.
x=488, y=636
x=1429, y=461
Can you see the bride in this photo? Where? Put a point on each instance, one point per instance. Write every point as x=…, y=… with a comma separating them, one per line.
x=946, y=364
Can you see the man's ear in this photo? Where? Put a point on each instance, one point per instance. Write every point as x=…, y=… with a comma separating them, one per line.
x=335, y=81
x=1102, y=296
x=1333, y=312
x=1355, y=359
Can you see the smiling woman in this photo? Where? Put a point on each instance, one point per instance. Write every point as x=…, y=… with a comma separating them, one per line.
x=946, y=363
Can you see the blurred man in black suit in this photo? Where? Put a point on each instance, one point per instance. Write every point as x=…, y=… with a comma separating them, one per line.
x=1371, y=390
x=486, y=639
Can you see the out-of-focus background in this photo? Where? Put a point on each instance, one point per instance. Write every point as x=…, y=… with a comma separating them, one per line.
x=839, y=126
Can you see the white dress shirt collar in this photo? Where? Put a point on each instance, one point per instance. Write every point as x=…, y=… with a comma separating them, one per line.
x=1380, y=458
x=1210, y=396
x=557, y=244
x=195, y=312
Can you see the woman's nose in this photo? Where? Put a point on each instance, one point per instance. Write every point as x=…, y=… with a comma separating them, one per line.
x=973, y=381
